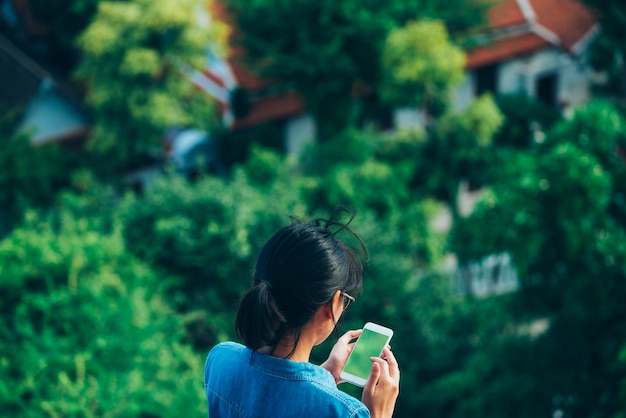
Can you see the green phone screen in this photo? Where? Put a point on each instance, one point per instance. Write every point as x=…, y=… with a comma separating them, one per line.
x=370, y=344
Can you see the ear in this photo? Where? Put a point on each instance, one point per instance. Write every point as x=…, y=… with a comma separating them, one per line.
x=334, y=305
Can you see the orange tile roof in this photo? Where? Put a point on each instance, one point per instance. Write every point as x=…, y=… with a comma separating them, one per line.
x=505, y=14
x=245, y=78
x=505, y=48
x=568, y=19
x=271, y=108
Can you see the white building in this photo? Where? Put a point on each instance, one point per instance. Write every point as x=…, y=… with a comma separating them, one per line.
x=536, y=47
x=533, y=46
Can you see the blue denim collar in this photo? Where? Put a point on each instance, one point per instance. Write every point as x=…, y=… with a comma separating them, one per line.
x=287, y=369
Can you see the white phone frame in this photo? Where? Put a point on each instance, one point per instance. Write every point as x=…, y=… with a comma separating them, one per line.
x=379, y=329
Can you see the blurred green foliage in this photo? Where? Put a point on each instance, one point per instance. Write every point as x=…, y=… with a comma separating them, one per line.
x=608, y=49
x=30, y=177
x=66, y=21
x=330, y=51
x=459, y=148
x=207, y=234
x=527, y=120
x=86, y=331
x=320, y=48
x=134, y=58
x=559, y=211
x=421, y=65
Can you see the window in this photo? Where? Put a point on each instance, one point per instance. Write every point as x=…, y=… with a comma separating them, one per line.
x=546, y=89
x=486, y=80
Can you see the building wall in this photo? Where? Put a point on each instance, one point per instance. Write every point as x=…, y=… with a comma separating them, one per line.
x=407, y=118
x=299, y=131
x=573, y=75
x=521, y=75
x=513, y=77
x=575, y=87
x=516, y=75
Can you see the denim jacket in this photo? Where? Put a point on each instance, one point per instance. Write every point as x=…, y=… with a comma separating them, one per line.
x=240, y=382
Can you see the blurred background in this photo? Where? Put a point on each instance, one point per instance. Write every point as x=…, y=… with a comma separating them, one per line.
x=149, y=148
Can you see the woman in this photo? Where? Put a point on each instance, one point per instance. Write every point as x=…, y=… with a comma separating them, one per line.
x=303, y=281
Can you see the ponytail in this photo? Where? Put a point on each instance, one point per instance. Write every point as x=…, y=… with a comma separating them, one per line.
x=259, y=321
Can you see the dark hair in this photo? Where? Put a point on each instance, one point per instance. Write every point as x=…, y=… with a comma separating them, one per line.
x=298, y=270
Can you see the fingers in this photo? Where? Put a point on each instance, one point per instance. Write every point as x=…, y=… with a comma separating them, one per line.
x=388, y=370
x=350, y=335
x=383, y=385
x=346, y=338
x=372, y=381
x=382, y=365
x=389, y=375
x=394, y=369
x=382, y=355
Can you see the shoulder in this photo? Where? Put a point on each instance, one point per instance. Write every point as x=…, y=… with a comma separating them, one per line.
x=224, y=353
x=226, y=348
x=223, y=360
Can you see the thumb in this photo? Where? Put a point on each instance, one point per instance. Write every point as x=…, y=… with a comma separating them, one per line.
x=370, y=385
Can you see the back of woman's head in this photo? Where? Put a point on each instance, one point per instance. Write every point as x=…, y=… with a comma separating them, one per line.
x=298, y=270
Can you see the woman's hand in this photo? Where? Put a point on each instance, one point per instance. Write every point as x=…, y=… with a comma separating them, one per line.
x=340, y=353
x=383, y=386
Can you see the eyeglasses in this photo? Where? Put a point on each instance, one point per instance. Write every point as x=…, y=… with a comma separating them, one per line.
x=347, y=300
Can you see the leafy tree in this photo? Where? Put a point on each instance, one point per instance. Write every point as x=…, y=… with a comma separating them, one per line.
x=29, y=176
x=323, y=49
x=86, y=330
x=460, y=16
x=421, y=65
x=66, y=21
x=208, y=234
x=619, y=368
x=133, y=57
x=348, y=172
x=330, y=51
x=609, y=49
x=460, y=148
x=527, y=120
x=559, y=210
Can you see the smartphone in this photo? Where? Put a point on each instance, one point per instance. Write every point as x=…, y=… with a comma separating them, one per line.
x=371, y=343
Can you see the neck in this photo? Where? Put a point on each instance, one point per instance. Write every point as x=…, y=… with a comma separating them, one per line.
x=312, y=333
x=301, y=353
